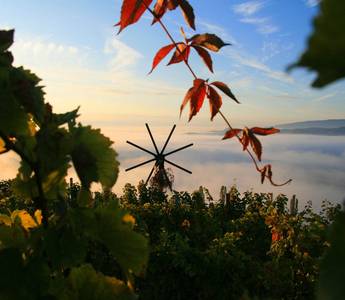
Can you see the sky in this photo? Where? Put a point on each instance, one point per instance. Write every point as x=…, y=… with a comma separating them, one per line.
x=74, y=47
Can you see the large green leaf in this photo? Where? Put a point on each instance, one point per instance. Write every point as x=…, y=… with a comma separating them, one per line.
x=93, y=158
x=13, y=119
x=64, y=248
x=326, y=46
x=25, y=88
x=332, y=274
x=84, y=283
x=106, y=225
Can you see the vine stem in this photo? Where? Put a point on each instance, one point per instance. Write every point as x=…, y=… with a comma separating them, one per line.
x=219, y=111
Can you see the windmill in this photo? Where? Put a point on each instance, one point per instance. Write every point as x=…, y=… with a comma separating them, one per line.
x=160, y=158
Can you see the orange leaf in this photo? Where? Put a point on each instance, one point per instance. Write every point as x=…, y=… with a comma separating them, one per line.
x=225, y=89
x=159, y=9
x=231, y=133
x=206, y=57
x=275, y=236
x=163, y=52
x=197, y=98
x=131, y=12
x=209, y=41
x=180, y=55
x=188, y=13
x=256, y=145
x=215, y=101
x=245, y=138
x=264, y=131
x=172, y=4
x=263, y=174
x=187, y=97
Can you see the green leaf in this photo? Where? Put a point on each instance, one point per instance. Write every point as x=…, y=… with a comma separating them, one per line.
x=332, y=272
x=6, y=39
x=105, y=224
x=64, y=248
x=93, y=158
x=13, y=119
x=84, y=283
x=326, y=45
x=60, y=119
x=25, y=88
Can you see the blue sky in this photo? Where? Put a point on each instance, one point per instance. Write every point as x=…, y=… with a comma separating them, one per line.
x=74, y=47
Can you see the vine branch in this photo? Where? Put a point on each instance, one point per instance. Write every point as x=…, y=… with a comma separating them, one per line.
x=257, y=167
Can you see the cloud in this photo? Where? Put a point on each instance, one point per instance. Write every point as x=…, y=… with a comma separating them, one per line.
x=325, y=97
x=312, y=3
x=253, y=63
x=248, y=8
x=263, y=25
x=123, y=55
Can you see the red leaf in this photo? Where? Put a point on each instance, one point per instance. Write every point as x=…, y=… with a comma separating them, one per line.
x=159, y=9
x=197, y=98
x=264, y=131
x=231, y=133
x=269, y=172
x=206, y=57
x=172, y=4
x=263, y=174
x=131, y=12
x=180, y=55
x=187, y=97
x=275, y=236
x=215, y=101
x=245, y=138
x=188, y=13
x=256, y=145
x=225, y=89
x=209, y=41
x=163, y=52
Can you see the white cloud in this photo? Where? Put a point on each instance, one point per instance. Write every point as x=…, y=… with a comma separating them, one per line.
x=123, y=55
x=325, y=97
x=248, y=8
x=312, y=3
x=263, y=25
x=254, y=63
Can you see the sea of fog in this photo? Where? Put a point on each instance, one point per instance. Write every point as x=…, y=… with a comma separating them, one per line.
x=316, y=164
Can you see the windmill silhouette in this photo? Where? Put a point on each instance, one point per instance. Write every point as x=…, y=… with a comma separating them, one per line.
x=159, y=157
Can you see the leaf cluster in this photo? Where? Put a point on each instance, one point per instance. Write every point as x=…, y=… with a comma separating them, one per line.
x=47, y=233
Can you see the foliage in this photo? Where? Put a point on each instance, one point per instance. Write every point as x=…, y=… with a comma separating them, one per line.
x=248, y=244
x=326, y=45
x=49, y=236
x=133, y=10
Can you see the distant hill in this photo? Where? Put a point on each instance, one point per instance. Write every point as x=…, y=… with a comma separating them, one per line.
x=334, y=123
x=335, y=127
x=318, y=127
x=316, y=131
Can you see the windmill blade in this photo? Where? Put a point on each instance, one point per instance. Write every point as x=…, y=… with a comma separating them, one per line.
x=148, y=178
x=179, y=149
x=177, y=166
x=141, y=148
x=141, y=164
x=152, y=139
x=168, y=139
